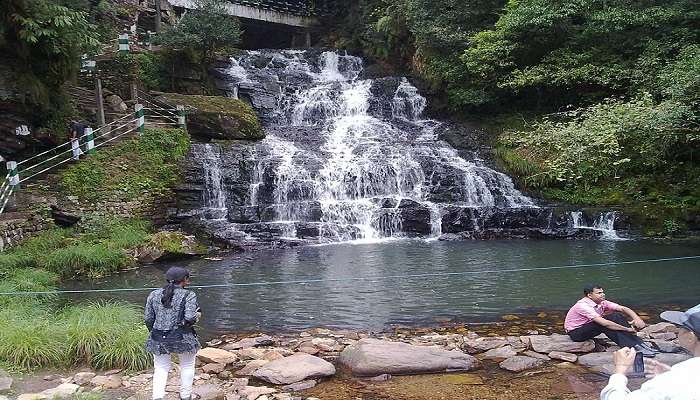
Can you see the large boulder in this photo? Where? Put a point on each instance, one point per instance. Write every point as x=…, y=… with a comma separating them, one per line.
x=372, y=357
x=295, y=368
x=548, y=343
x=213, y=355
x=169, y=245
x=217, y=117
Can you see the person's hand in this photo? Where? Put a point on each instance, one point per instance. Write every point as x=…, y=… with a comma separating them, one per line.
x=631, y=330
x=638, y=323
x=623, y=360
x=653, y=368
x=197, y=316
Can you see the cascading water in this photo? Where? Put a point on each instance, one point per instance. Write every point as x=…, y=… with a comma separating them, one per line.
x=346, y=158
x=604, y=223
x=214, y=195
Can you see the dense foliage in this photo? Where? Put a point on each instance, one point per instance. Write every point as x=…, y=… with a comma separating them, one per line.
x=204, y=30
x=43, y=41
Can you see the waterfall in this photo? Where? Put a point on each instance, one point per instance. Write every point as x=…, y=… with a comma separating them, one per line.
x=214, y=195
x=604, y=223
x=347, y=158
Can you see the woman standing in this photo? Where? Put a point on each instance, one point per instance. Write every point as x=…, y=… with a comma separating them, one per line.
x=169, y=315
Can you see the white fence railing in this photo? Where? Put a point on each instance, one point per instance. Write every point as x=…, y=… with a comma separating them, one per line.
x=88, y=143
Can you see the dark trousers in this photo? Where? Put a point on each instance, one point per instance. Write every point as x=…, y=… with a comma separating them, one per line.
x=593, y=329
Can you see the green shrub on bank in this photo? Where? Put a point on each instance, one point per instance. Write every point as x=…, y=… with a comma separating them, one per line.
x=125, y=350
x=101, y=335
x=117, y=233
x=28, y=336
x=130, y=168
x=92, y=261
x=106, y=335
x=95, y=250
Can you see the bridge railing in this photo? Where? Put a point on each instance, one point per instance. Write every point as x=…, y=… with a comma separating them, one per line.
x=291, y=7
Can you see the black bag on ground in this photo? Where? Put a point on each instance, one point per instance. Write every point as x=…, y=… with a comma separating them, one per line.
x=172, y=335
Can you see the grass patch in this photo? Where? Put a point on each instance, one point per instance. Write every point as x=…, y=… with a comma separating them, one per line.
x=95, y=250
x=130, y=168
x=92, y=261
x=125, y=350
x=101, y=335
x=28, y=335
x=106, y=335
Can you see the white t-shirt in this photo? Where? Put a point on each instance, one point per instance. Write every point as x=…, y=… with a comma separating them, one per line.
x=680, y=383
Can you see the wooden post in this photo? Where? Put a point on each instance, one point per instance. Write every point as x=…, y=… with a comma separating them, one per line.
x=307, y=35
x=159, y=13
x=99, y=101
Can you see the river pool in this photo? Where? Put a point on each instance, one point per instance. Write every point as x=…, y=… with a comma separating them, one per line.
x=416, y=282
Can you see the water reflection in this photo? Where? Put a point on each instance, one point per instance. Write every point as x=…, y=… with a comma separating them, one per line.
x=490, y=288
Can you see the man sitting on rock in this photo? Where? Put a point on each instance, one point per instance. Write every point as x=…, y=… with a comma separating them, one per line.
x=593, y=315
x=677, y=382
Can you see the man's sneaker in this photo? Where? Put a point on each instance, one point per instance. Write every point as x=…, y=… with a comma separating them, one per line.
x=646, y=350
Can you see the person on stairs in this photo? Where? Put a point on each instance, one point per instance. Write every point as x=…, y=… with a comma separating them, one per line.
x=593, y=315
x=77, y=130
x=169, y=315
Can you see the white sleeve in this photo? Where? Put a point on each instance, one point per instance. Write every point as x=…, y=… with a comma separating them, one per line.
x=616, y=389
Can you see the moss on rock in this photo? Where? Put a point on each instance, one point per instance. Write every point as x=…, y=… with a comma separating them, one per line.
x=218, y=117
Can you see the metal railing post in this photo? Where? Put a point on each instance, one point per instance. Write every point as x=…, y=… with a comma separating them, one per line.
x=124, y=43
x=14, y=174
x=140, y=118
x=90, y=145
x=181, y=117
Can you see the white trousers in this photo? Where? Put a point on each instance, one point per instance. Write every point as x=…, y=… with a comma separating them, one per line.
x=75, y=147
x=161, y=364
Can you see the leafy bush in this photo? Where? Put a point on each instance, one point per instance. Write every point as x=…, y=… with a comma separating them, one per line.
x=605, y=140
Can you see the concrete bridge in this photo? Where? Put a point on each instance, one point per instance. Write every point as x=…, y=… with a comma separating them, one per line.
x=294, y=13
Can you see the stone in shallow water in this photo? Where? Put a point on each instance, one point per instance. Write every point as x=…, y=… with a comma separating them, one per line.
x=560, y=355
x=299, y=386
x=478, y=345
x=294, y=368
x=521, y=363
x=371, y=357
x=499, y=353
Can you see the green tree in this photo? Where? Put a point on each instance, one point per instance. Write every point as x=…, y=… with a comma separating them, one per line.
x=43, y=41
x=204, y=30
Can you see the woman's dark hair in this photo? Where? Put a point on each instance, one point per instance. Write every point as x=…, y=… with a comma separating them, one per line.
x=588, y=289
x=174, y=276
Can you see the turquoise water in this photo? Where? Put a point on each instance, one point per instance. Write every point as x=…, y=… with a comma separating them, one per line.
x=483, y=287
